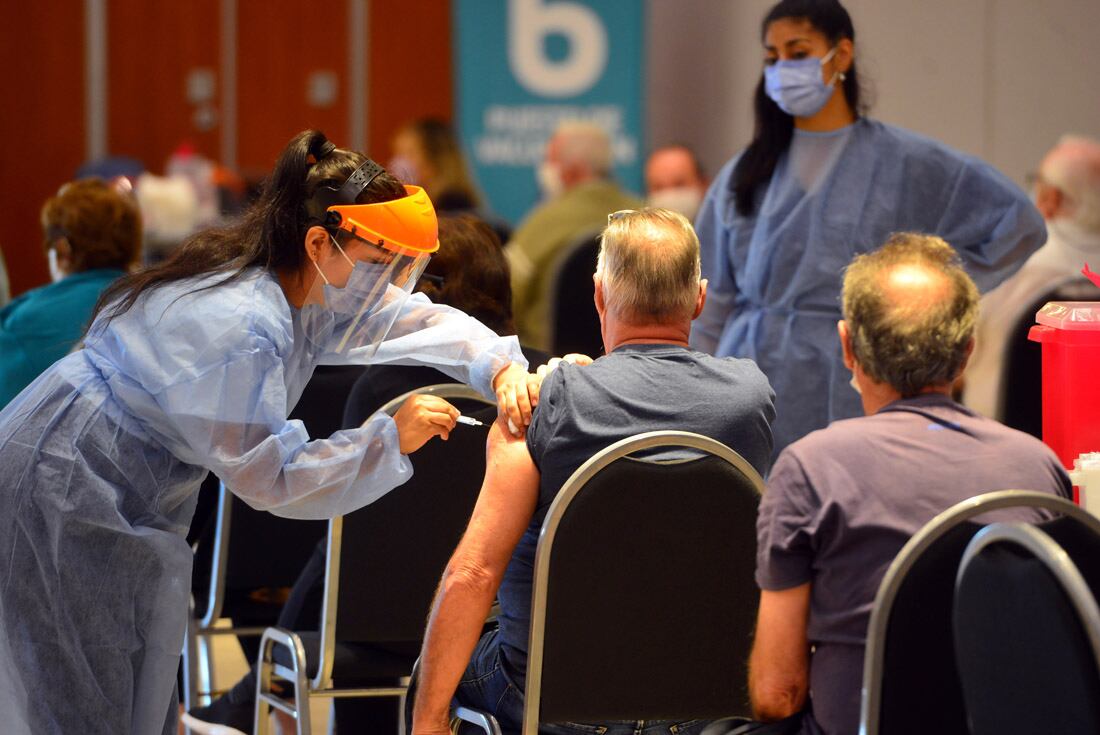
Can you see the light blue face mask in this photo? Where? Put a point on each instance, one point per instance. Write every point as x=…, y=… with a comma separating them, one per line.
x=796, y=85
x=358, y=315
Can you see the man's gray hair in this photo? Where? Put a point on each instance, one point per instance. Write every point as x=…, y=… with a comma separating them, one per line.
x=649, y=266
x=910, y=309
x=1073, y=166
x=586, y=144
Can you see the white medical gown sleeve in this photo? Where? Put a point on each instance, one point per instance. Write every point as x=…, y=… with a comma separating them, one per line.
x=444, y=338
x=714, y=249
x=231, y=418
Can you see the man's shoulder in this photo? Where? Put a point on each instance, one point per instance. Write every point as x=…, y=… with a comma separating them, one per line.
x=743, y=367
x=679, y=370
x=837, y=439
x=1012, y=442
x=854, y=436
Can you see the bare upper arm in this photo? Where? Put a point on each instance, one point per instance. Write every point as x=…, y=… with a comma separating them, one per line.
x=505, y=506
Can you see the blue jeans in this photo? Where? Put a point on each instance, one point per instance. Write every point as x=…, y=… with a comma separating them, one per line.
x=486, y=686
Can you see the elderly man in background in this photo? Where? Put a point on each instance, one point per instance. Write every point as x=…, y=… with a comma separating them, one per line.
x=576, y=179
x=647, y=292
x=842, y=501
x=1067, y=194
x=674, y=180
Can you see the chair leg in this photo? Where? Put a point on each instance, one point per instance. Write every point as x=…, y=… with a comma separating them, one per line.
x=190, y=664
x=266, y=698
x=408, y=699
x=261, y=722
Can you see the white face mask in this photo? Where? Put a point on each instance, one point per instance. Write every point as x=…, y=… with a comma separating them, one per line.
x=1068, y=232
x=549, y=178
x=56, y=274
x=854, y=384
x=683, y=199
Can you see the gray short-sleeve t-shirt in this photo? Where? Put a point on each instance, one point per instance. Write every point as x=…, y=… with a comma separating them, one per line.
x=635, y=389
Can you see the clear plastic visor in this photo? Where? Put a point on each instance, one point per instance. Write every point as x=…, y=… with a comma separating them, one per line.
x=364, y=287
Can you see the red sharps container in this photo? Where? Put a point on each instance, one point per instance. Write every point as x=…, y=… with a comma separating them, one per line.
x=1070, y=334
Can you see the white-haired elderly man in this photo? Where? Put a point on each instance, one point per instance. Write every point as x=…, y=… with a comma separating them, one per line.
x=647, y=292
x=575, y=177
x=842, y=501
x=1067, y=194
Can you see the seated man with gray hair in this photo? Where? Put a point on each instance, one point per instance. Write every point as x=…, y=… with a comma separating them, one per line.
x=842, y=501
x=647, y=292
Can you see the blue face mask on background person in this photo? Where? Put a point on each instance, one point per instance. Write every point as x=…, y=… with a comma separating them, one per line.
x=796, y=85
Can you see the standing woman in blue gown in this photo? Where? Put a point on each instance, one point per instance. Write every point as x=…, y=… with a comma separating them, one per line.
x=818, y=184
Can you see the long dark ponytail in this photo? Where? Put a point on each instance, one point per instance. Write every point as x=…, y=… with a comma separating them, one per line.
x=269, y=234
x=774, y=128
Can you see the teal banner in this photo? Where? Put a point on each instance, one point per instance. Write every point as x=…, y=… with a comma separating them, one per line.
x=522, y=66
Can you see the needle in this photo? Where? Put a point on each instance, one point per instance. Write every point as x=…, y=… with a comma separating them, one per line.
x=469, y=421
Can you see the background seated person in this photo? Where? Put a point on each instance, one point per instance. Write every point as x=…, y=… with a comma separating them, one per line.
x=842, y=501
x=1067, y=194
x=647, y=291
x=427, y=152
x=674, y=179
x=92, y=237
x=579, y=190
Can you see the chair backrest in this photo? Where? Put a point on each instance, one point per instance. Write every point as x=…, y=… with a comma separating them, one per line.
x=574, y=323
x=1027, y=635
x=910, y=683
x=395, y=549
x=254, y=549
x=644, y=599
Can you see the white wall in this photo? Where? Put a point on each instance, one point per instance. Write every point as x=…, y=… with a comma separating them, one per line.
x=1001, y=79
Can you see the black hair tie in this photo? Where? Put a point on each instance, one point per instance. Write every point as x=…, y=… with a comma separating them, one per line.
x=322, y=148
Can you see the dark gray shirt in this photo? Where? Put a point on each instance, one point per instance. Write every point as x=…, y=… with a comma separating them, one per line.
x=842, y=502
x=637, y=388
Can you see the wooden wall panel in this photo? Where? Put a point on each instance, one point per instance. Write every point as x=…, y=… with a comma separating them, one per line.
x=280, y=44
x=42, y=125
x=409, y=68
x=152, y=47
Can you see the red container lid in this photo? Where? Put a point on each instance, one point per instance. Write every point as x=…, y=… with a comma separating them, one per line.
x=1070, y=315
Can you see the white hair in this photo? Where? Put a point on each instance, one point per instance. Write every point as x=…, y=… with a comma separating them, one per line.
x=169, y=207
x=584, y=144
x=1073, y=167
x=649, y=266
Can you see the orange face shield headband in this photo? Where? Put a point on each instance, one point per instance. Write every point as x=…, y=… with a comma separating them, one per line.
x=407, y=225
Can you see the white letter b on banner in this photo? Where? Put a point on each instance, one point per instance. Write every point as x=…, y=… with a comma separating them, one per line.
x=530, y=22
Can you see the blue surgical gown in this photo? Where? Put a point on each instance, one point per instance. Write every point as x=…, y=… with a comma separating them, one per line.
x=101, y=458
x=775, y=277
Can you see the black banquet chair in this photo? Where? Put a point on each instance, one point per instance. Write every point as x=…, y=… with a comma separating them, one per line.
x=243, y=554
x=643, y=598
x=1027, y=635
x=383, y=564
x=574, y=323
x=910, y=679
